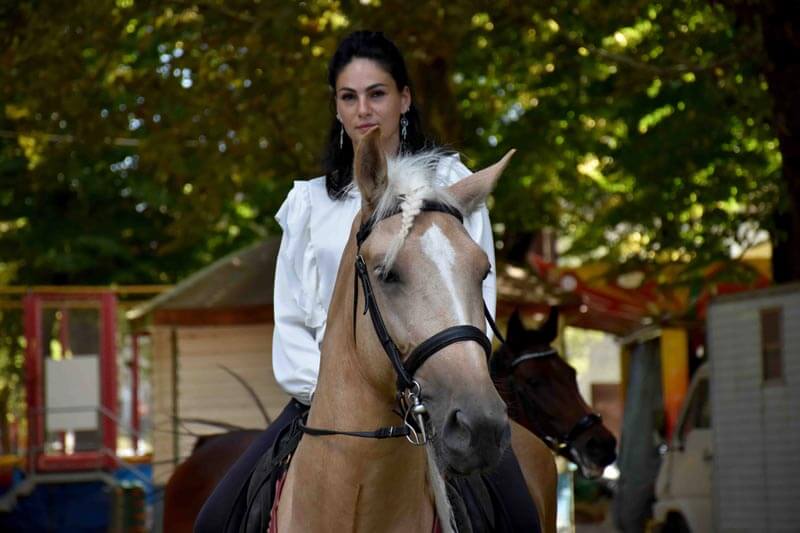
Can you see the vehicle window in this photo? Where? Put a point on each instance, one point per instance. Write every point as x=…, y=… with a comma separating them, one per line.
x=698, y=414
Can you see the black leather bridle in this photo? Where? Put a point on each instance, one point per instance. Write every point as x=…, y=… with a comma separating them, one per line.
x=558, y=443
x=410, y=406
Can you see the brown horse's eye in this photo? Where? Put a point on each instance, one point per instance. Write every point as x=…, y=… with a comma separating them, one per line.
x=533, y=382
x=387, y=276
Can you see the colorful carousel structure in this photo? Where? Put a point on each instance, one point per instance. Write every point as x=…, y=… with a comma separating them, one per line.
x=71, y=474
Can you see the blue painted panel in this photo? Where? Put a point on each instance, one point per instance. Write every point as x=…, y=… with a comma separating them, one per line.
x=83, y=507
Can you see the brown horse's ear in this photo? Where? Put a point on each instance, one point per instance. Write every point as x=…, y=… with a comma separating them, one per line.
x=471, y=191
x=516, y=329
x=549, y=329
x=369, y=170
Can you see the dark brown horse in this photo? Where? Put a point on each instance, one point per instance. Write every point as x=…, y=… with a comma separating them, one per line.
x=542, y=395
x=195, y=478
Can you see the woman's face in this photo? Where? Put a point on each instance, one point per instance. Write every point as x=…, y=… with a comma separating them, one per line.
x=367, y=96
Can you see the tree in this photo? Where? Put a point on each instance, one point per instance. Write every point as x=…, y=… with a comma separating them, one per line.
x=644, y=130
x=140, y=140
x=777, y=22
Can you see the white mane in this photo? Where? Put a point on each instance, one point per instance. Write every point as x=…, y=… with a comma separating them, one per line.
x=440, y=500
x=412, y=179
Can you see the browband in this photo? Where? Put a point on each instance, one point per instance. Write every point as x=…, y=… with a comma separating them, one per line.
x=427, y=205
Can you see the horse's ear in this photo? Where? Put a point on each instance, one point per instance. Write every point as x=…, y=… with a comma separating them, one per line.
x=516, y=329
x=369, y=170
x=471, y=191
x=549, y=329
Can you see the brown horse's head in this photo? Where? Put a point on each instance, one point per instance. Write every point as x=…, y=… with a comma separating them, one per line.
x=427, y=274
x=542, y=394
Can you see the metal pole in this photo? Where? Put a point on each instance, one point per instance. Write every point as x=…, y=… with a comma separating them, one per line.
x=108, y=369
x=175, y=440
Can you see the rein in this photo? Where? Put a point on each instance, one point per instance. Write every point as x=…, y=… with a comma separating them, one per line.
x=409, y=393
x=559, y=443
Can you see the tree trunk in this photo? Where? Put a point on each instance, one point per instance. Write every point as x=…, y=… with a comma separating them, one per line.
x=780, y=24
x=438, y=102
x=5, y=434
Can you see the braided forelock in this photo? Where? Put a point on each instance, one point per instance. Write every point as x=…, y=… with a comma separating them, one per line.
x=412, y=180
x=409, y=209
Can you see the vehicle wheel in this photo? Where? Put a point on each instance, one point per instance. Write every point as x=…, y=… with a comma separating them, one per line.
x=675, y=524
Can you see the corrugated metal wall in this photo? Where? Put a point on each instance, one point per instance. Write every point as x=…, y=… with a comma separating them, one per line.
x=756, y=425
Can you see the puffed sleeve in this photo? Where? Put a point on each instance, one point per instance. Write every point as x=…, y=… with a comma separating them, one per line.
x=295, y=350
x=477, y=224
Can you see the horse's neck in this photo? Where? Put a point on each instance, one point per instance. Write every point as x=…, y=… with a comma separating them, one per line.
x=339, y=483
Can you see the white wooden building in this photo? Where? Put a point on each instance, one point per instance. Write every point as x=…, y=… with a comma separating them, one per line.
x=221, y=315
x=754, y=350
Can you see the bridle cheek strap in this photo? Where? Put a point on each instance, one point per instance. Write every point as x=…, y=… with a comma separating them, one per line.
x=404, y=379
x=589, y=420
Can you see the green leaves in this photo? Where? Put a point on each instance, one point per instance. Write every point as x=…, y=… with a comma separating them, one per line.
x=153, y=137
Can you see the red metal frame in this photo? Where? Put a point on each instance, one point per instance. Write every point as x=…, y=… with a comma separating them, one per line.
x=134, y=365
x=33, y=375
x=34, y=383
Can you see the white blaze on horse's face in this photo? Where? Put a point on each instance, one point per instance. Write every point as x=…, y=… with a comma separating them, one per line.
x=437, y=247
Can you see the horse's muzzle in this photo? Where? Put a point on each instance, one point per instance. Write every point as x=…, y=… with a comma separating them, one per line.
x=474, y=437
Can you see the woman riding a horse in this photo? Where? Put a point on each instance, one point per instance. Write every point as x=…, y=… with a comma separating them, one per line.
x=375, y=119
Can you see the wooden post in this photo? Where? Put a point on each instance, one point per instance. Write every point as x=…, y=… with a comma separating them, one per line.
x=174, y=368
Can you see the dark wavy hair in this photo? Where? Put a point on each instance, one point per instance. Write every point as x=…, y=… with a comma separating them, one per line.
x=338, y=162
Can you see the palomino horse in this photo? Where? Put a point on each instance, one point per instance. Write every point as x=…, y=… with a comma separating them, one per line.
x=542, y=394
x=418, y=275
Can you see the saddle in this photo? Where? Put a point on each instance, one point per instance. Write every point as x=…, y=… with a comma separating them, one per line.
x=477, y=506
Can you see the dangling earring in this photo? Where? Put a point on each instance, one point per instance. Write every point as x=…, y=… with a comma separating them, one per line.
x=403, y=129
x=341, y=136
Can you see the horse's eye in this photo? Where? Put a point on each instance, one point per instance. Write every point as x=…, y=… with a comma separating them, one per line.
x=533, y=382
x=387, y=276
x=486, y=275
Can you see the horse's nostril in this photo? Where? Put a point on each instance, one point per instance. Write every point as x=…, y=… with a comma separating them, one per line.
x=458, y=425
x=461, y=430
x=594, y=446
x=474, y=438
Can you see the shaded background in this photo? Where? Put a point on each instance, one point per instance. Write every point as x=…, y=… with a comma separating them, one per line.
x=142, y=140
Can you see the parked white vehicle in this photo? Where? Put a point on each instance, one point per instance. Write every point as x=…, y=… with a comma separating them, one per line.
x=683, y=486
x=751, y=388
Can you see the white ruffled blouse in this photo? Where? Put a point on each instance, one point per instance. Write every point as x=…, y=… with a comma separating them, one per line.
x=315, y=232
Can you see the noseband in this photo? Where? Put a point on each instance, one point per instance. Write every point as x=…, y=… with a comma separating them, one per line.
x=409, y=392
x=559, y=443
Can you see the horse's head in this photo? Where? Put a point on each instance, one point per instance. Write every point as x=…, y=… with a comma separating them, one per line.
x=542, y=393
x=426, y=274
